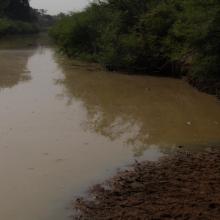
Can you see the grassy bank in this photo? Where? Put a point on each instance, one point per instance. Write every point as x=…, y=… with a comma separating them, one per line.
x=173, y=37
x=183, y=186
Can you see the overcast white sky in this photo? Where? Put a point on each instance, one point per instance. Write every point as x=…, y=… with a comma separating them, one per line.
x=56, y=6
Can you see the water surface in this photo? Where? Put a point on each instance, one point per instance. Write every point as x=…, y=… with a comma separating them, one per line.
x=66, y=125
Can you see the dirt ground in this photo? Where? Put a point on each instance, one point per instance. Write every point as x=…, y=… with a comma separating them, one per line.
x=182, y=186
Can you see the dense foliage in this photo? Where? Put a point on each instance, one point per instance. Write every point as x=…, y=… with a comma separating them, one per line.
x=16, y=27
x=155, y=36
x=16, y=9
x=16, y=17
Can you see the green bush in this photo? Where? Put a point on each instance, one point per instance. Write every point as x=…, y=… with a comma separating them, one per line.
x=175, y=37
x=16, y=27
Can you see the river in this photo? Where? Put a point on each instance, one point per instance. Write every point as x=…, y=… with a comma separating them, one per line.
x=66, y=125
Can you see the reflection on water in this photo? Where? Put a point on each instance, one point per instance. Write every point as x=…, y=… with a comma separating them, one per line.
x=46, y=155
x=14, y=55
x=144, y=110
x=13, y=67
x=26, y=42
x=69, y=126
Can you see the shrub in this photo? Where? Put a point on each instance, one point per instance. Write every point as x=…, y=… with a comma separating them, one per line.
x=167, y=37
x=16, y=27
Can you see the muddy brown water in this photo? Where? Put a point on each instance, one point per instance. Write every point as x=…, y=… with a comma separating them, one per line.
x=66, y=125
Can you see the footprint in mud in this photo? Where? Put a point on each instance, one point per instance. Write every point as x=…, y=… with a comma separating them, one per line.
x=180, y=147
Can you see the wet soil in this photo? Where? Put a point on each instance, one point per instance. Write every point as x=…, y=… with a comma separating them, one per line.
x=211, y=86
x=183, y=186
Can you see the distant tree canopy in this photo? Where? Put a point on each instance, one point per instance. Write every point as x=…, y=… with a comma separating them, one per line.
x=43, y=19
x=154, y=36
x=16, y=9
x=17, y=17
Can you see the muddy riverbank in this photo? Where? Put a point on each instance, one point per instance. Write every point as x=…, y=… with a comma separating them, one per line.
x=181, y=186
x=211, y=86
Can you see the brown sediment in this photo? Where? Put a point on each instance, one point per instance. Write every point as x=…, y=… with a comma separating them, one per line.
x=209, y=86
x=182, y=186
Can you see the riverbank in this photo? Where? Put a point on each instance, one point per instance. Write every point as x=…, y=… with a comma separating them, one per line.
x=181, y=186
x=134, y=36
x=210, y=86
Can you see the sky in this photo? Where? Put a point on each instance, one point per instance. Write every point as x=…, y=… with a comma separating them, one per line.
x=56, y=6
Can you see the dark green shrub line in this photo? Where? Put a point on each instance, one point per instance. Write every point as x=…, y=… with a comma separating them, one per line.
x=17, y=17
x=166, y=37
x=10, y=27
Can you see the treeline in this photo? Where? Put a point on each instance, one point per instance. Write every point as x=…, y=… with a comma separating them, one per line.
x=17, y=17
x=178, y=37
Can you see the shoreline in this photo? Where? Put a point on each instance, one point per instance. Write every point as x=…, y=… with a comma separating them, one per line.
x=180, y=186
x=208, y=86
x=211, y=87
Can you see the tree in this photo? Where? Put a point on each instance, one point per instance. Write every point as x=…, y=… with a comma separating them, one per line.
x=15, y=9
